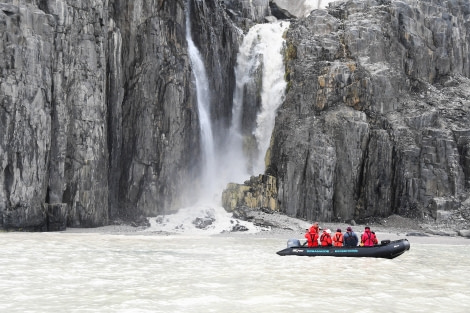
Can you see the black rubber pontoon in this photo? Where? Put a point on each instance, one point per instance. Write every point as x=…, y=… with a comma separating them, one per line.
x=387, y=249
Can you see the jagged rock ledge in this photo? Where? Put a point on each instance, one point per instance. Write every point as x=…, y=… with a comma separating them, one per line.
x=258, y=192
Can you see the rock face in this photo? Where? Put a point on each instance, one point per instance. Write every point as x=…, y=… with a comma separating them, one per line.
x=296, y=9
x=152, y=115
x=99, y=119
x=97, y=106
x=376, y=120
x=53, y=111
x=245, y=12
x=26, y=54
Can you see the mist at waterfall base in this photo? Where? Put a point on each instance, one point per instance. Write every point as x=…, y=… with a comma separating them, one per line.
x=260, y=52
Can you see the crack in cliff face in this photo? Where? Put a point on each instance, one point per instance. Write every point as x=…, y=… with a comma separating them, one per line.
x=303, y=181
x=8, y=179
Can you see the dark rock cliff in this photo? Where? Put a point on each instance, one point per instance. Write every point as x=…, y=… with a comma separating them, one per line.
x=376, y=119
x=97, y=107
x=53, y=133
x=151, y=113
x=98, y=113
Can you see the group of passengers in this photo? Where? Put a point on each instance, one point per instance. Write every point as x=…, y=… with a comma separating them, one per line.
x=349, y=239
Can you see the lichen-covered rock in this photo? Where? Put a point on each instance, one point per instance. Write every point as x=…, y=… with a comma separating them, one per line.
x=258, y=192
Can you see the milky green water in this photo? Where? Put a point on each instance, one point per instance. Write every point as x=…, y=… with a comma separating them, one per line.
x=70, y=272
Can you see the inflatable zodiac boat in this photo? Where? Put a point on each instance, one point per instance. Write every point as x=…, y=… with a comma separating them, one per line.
x=386, y=249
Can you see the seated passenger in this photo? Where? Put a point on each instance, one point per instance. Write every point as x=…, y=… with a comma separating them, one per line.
x=350, y=238
x=325, y=238
x=338, y=238
x=376, y=241
x=368, y=238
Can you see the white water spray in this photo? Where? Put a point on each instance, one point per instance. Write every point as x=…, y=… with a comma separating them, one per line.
x=273, y=89
x=261, y=50
x=203, y=102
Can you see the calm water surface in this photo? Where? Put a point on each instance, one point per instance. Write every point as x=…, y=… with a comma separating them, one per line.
x=70, y=272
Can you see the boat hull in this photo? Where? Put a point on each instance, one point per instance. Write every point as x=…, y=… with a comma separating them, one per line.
x=385, y=250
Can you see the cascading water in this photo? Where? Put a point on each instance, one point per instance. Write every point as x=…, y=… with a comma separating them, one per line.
x=273, y=87
x=260, y=54
x=259, y=59
x=203, y=102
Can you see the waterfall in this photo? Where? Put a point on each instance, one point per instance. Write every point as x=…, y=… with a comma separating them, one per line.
x=273, y=88
x=260, y=58
x=260, y=67
x=203, y=104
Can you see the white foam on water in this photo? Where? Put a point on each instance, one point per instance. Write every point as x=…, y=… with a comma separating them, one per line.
x=185, y=220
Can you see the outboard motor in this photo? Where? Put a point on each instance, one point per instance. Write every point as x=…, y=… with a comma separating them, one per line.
x=293, y=243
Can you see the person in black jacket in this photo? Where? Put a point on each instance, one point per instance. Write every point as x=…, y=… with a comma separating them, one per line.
x=350, y=238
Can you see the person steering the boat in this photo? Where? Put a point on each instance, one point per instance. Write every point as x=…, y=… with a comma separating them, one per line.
x=312, y=238
x=315, y=228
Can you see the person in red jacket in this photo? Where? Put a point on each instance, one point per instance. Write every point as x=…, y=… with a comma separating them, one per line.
x=312, y=238
x=325, y=238
x=338, y=238
x=315, y=228
x=368, y=238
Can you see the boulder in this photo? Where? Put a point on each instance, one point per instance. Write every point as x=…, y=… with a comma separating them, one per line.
x=464, y=233
x=259, y=192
